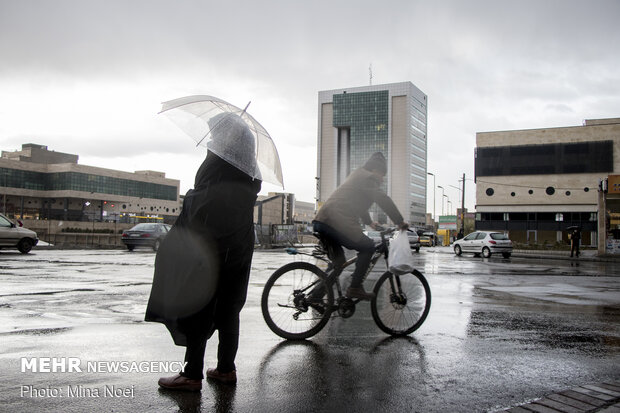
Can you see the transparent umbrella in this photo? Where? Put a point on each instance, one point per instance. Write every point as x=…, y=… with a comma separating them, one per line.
x=229, y=132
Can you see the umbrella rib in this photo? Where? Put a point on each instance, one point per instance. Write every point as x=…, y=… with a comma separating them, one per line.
x=220, y=106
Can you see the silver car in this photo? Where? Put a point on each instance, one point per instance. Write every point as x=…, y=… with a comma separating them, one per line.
x=15, y=236
x=414, y=240
x=485, y=243
x=375, y=236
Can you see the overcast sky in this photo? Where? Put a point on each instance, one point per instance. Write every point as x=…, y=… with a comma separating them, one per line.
x=88, y=77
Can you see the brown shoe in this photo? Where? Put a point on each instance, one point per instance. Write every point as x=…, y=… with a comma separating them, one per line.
x=226, y=378
x=359, y=292
x=178, y=382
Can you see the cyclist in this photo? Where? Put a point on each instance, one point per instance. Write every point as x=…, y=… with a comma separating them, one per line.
x=338, y=219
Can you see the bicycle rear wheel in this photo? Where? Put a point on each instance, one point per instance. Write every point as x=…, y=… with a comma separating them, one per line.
x=401, y=302
x=297, y=301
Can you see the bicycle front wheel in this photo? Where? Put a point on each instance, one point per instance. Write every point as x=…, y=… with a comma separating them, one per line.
x=297, y=301
x=401, y=302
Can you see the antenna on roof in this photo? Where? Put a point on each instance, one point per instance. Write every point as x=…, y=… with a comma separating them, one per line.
x=370, y=73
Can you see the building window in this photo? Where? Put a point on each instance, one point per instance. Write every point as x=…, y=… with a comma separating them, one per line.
x=567, y=193
x=557, y=158
x=512, y=194
x=550, y=190
x=559, y=217
x=530, y=192
x=490, y=191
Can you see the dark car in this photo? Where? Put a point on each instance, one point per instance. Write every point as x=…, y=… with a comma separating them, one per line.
x=145, y=235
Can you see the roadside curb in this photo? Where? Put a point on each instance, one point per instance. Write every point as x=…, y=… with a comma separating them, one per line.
x=601, y=397
x=586, y=255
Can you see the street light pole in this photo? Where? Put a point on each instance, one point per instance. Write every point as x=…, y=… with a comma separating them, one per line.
x=462, y=207
x=442, y=195
x=434, y=195
x=462, y=203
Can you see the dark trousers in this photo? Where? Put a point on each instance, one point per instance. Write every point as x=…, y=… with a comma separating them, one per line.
x=574, y=246
x=221, y=314
x=364, y=246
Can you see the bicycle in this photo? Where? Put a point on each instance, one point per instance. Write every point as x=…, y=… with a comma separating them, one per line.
x=298, y=299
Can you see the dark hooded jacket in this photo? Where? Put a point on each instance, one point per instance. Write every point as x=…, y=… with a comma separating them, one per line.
x=207, y=251
x=349, y=204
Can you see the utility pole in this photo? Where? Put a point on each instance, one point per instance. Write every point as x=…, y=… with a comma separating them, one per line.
x=463, y=208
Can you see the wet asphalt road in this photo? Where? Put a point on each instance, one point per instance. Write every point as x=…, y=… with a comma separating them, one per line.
x=500, y=333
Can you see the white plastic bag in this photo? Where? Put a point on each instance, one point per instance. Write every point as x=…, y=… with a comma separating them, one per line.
x=399, y=257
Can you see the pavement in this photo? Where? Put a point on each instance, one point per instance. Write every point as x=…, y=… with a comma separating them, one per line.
x=333, y=372
x=589, y=398
x=600, y=397
x=584, y=255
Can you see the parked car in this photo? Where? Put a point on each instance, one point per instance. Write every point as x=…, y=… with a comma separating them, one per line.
x=414, y=240
x=427, y=239
x=145, y=235
x=374, y=235
x=16, y=236
x=485, y=243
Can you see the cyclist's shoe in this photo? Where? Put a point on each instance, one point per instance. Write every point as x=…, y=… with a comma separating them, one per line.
x=315, y=301
x=226, y=378
x=359, y=292
x=178, y=382
x=318, y=309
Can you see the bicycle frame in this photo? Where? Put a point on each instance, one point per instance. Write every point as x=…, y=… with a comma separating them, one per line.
x=304, y=299
x=333, y=273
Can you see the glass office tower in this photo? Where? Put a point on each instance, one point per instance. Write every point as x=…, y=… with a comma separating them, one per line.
x=356, y=122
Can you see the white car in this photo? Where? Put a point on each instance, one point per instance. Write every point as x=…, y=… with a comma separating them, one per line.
x=485, y=243
x=14, y=236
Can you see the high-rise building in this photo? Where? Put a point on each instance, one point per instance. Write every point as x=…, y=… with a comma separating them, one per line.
x=356, y=122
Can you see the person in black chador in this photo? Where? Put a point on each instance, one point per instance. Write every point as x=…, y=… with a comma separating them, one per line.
x=202, y=268
x=575, y=236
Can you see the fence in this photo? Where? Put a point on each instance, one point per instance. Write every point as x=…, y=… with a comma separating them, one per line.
x=273, y=236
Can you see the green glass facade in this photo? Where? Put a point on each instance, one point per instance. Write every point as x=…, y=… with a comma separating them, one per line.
x=366, y=115
x=77, y=181
x=356, y=122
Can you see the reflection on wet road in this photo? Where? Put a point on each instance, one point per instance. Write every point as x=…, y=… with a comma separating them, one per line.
x=500, y=332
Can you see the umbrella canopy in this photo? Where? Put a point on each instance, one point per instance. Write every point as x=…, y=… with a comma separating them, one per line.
x=229, y=132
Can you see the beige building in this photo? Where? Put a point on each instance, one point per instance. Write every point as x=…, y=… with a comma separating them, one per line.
x=536, y=183
x=391, y=119
x=37, y=183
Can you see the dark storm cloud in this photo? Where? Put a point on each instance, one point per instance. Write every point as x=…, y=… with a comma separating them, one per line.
x=485, y=65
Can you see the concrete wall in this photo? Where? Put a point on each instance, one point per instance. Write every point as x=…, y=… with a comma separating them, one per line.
x=328, y=152
x=578, y=200
x=399, y=176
